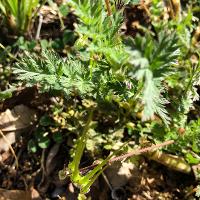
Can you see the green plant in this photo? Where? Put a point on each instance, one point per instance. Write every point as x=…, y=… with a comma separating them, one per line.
x=23, y=44
x=153, y=62
x=151, y=75
x=46, y=132
x=84, y=179
x=19, y=14
x=54, y=73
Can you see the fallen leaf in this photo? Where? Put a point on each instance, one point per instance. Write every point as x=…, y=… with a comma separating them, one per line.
x=50, y=161
x=176, y=163
x=35, y=194
x=119, y=173
x=14, y=195
x=20, y=117
x=4, y=145
x=31, y=194
x=13, y=122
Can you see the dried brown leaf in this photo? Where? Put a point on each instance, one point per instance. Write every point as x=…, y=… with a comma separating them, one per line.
x=20, y=117
x=13, y=122
x=14, y=195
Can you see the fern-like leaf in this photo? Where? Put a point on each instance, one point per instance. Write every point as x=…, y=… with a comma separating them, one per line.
x=153, y=61
x=51, y=72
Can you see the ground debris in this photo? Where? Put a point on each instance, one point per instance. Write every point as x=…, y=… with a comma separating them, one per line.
x=13, y=123
x=31, y=194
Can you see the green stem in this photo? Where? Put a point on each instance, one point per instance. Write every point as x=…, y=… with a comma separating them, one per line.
x=80, y=148
x=190, y=82
x=9, y=54
x=91, y=64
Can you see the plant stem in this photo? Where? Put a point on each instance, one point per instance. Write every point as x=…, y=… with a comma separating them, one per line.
x=108, y=7
x=81, y=146
x=189, y=85
x=37, y=37
x=141, y=151
x=128, y=155
x=9, y=54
